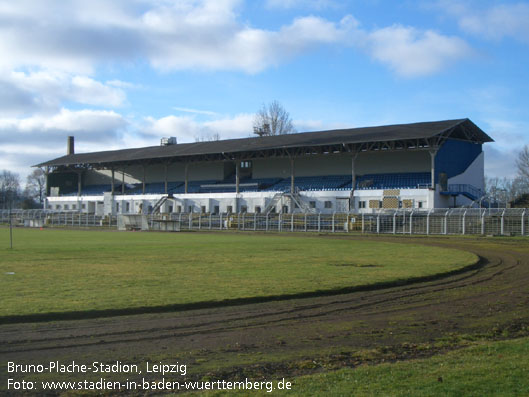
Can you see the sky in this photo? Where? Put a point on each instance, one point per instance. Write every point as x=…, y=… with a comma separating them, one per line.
x=125, y=73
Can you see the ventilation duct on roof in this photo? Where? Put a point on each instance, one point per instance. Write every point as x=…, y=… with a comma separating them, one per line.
x=168, y=141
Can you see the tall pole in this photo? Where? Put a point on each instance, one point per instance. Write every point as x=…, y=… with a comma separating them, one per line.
x=10, y=230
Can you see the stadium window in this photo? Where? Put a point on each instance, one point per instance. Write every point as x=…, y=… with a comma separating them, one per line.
x=127, y=207
x=170, y=209
x=150, y=208
x=246, y=164
x=178, y=208
x=83, y=206
x=229, y=209
x=257, y=209
x=312, y=204
x=216, y=209
x=328, y=204
x=285, y=209
x=117, y=207
x=244, y=208
x=66, y=207
x=203, y=209
x=361, y=204
x=58, y=207
x=419, y=204
x=190, y=208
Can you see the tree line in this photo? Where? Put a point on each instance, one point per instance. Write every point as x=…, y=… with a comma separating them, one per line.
x=12, y=195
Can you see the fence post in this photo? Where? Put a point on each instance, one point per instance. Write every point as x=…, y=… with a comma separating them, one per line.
x=333, y=221
x=200, y=221
x=446, y=222
x=483, y=223
x=502, y=223
x=305, y=218
x=428, y=222
x=266, y=222
x=463, y=225
x=378, y=223
x=523, y=222
x=363, y=222
x=395, y=222
x=243, y=220
x=220, y=220
x=210, y=220
x=411, y=222
x=292, y=222
x=255, y=221
x=319, y=221
x=279, y=222
x=190, y=222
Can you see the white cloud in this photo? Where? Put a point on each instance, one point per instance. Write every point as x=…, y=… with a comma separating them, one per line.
x=195, y=111
x=76, y=36
x=34, y=139
x=494, y=23
x=411, y=53
x=186, y=129
x=45, y=90
x=44, y=131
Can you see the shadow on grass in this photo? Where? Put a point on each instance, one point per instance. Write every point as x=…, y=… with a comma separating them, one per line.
x=91, y=314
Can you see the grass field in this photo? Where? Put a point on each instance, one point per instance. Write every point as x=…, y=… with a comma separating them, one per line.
x=57, y=271
x=487, y=369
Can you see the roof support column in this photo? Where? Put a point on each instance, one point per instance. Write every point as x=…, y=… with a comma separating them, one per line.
x=237, y=175
x=353, y=180
x=237, y=181
x=112, y=182
x=143, y=180
x=292, y=179
x=79, y=183
x=433, y=153
x=165, y=177
x=47, y=174
x=292, y=185
x=186, y=177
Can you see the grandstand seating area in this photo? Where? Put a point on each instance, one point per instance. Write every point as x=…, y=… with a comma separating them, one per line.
x=305, y=183
x=410, y=180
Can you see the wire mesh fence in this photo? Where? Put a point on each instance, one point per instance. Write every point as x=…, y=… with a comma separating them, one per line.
x=47, y=218
x=457, y=221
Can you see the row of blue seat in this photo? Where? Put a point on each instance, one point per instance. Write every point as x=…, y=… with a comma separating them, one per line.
x=304, y=183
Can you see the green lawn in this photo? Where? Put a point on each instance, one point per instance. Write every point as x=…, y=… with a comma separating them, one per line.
x=488, y=369
x=68, y=270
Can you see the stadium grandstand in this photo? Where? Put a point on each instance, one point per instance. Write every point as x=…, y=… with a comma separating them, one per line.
x=424, y=165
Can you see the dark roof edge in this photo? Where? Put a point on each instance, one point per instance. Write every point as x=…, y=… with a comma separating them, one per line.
x=385, y=133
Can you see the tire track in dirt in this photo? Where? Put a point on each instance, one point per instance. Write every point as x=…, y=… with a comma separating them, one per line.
x=26, y=340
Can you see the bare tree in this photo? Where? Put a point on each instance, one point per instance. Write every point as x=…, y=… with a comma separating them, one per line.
x=523, y=163
x=9, y=189
x=214, y=136
x=273, y=119
x=505, y=190
x=36, y=185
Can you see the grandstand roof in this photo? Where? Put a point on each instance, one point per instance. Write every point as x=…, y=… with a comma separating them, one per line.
x=389, y=137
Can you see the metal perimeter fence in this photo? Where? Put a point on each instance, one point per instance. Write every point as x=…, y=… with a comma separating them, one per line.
x=457, y=221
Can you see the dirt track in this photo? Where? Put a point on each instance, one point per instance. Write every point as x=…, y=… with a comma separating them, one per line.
x=287, y=338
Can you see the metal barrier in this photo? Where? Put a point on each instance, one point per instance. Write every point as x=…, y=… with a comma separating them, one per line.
x=457, y=221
